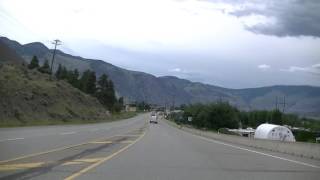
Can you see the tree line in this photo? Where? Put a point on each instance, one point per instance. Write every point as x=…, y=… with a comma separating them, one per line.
x=34, y=64
x=223, y=115
x=102, y=88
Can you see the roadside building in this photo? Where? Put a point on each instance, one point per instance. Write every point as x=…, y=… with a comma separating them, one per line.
x=249, y=132
x=130, y=107
x=274, y=132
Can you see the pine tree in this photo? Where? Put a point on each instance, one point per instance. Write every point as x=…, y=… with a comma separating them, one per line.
x=76, y=73
x=34, y=63
x=91, y=84
x=73, y=78
x=83, y=81
x=87, y=82
x=103, y=82
x=105, y=93
x=64, y=73
x=45, y=68
x=59, y=72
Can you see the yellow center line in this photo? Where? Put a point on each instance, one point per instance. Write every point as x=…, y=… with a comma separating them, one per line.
x=9, y=167
x=57, y=149
x=83, y=171
x=126, y=142
x=41, y=153
x=20, y=166
x=81, y=161
x=101, y=142
x=129, y=135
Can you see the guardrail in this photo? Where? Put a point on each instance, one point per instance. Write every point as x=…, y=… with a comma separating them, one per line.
x=302, y=149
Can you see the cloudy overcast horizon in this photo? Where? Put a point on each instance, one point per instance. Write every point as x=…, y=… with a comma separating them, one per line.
x=229, y=43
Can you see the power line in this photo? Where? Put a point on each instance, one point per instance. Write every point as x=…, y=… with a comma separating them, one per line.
x=56, y=43
x=283, y=103
x=279, y=103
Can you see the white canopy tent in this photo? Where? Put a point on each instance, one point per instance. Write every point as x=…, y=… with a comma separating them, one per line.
x=274, y=132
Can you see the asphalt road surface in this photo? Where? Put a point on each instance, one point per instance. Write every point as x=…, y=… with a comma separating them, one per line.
x=136, y=150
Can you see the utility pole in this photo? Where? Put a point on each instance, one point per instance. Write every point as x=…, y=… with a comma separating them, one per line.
x=283, y=104
x=173, y=102
x=276, y=102
x=56, y=43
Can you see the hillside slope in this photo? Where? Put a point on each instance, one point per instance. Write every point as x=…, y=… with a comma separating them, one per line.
x=30, y=96
x=168, y=90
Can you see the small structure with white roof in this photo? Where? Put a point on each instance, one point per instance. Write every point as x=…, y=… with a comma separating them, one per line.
x=274, y=132
x=249, y=132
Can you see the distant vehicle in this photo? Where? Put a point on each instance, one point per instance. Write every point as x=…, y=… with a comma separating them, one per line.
x=154, y=118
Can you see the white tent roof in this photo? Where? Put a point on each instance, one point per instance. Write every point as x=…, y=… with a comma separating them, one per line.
x=263, y=130
x=274, y=132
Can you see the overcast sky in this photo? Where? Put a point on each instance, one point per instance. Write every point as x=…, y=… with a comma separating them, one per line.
x=230, y=43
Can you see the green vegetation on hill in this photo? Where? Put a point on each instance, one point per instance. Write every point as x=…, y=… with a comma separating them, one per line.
x=31, y=95
x=102, y=89
x=215, y=116
x=28, y=96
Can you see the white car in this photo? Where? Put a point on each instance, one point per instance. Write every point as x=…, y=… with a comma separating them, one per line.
x=154, y=118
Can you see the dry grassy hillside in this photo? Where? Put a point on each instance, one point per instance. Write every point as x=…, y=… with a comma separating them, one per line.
x=30, y=96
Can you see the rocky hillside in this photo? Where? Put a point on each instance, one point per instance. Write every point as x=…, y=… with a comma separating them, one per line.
x=139, y=86
x=28, y=95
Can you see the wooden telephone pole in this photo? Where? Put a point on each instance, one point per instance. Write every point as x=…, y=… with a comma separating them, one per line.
x=56, y=43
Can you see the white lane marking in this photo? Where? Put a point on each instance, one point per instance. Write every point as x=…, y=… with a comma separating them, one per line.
x=13, y=139
x=257, y=152
x=67, y=133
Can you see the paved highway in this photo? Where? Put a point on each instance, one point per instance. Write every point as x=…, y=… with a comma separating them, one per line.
x=133, y=149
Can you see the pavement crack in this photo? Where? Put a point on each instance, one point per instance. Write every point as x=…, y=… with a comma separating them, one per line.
x=46, y=168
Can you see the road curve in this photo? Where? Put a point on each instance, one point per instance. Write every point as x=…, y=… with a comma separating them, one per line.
x=168, y=153
x=16, y=142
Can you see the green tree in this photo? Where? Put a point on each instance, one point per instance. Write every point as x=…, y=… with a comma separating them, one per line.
x=118, y=106
x=88, y=82
x=105, y=93
x=91, y=84
x=34, y=63
x=58, y=73
x=45, y=68
x=212, y=116
x=73, y=78
x=276, y=117
x=64, y=73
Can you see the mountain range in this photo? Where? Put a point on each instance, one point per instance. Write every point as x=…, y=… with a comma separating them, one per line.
x=170, y=90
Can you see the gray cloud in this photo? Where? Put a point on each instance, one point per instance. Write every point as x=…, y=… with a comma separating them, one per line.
x=293, y=17
x=314, y=69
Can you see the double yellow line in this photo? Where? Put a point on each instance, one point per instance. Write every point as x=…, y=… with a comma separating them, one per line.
x=79, y=173
x=83, y=171
x=42, y=153
x=55, y=150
